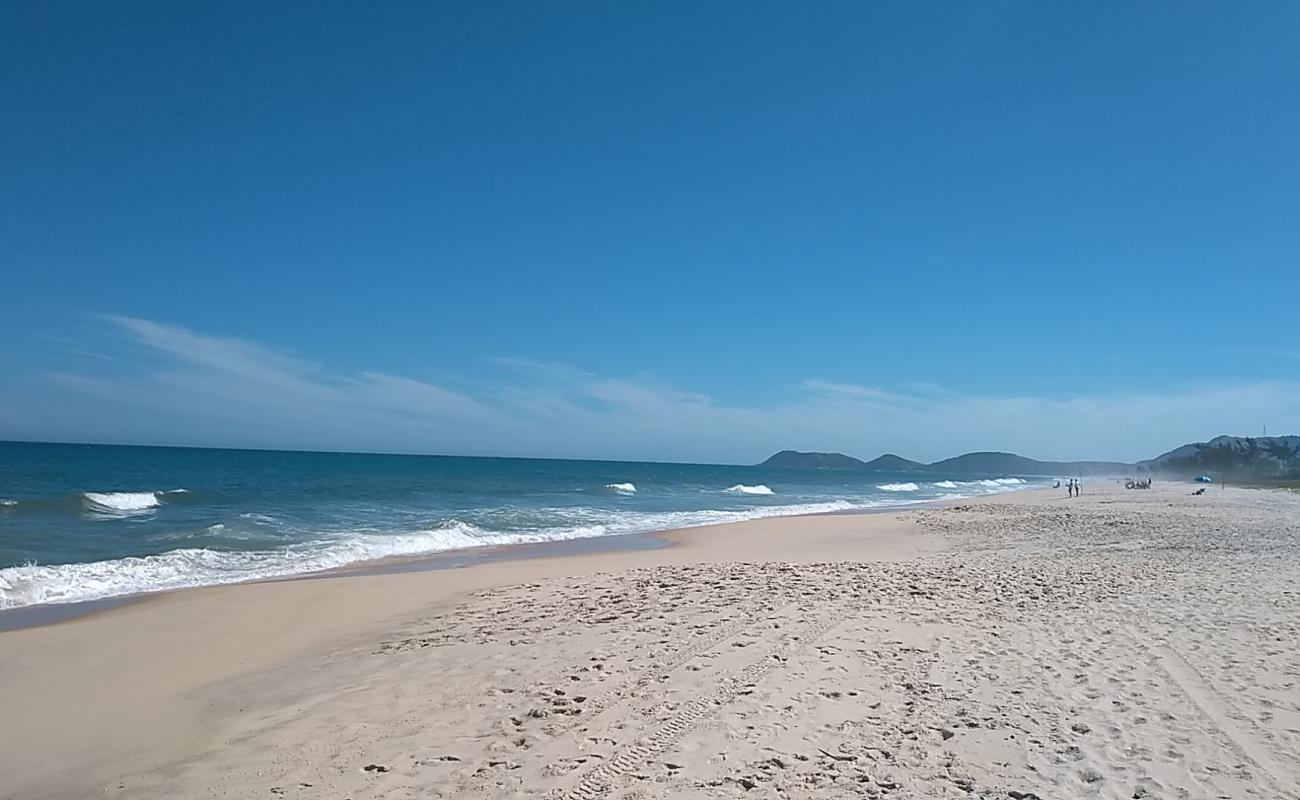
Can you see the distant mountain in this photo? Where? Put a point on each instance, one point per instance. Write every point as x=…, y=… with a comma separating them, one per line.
x=892, y=463
x=1012, y=464
x=1236, y=457
x=1232, y=457
x=793, y=459
x=972, y=463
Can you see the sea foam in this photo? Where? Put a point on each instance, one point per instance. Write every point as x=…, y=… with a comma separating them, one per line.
x=898, y=487
x=121, y=502
x=741, y=488
x=621, y=488
x=187, y=567
x=31, y=584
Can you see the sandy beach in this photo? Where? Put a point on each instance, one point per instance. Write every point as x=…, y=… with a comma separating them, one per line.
x=1125, y=644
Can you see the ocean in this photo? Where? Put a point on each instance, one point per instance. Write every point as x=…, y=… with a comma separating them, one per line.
x=88, y=522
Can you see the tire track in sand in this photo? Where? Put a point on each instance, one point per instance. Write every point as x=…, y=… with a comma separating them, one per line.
x=595, y=782
x=1213, y=705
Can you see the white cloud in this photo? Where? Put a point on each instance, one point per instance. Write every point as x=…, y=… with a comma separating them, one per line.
x=178, y=386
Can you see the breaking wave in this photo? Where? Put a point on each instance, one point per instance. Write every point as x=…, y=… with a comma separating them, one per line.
x=988, y=482
x=121, y=502
x=182, y=568
x=175, y=538
x=741, y=488
x=186, y=567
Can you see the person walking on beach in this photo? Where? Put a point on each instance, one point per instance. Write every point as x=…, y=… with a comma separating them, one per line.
x=1069, y=488
x=1078, y=488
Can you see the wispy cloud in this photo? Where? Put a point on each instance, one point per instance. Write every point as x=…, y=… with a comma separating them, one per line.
x=845, y=391
x=168, y=384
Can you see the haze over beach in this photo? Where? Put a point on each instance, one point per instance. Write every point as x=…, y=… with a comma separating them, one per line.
x=735, y=400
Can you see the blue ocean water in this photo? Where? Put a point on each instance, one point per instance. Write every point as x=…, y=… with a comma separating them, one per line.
x=84, y=522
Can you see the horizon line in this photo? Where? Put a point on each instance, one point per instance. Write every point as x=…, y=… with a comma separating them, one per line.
x=590, y=460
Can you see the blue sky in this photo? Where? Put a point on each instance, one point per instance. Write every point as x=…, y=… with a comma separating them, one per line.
x=670, y=231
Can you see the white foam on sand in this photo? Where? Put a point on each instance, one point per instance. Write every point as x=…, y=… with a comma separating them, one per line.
x=65, y=583
x=32, y=584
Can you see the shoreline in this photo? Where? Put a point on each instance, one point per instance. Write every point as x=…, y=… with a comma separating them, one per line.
x=55, y=613
x=463, y=682
x=170, y=669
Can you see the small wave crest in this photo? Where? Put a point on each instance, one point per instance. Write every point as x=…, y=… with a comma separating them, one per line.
x=741, y=488
x=8, y=503
x=621, y=488
x=992, y=483
x=121, y=502
x=898, y=487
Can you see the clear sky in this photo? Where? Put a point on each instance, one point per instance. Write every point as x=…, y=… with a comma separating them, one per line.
x=697, y=231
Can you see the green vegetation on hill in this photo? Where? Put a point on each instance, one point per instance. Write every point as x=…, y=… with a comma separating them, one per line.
x=1233, y=457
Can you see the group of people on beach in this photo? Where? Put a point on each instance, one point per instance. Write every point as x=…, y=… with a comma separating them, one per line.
x=1074, y=487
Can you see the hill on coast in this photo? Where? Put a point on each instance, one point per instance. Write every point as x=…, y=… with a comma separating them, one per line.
x=892, y=463
x=1257, y=457
x=1228, y=456
x=793, y=459
x=987, y=463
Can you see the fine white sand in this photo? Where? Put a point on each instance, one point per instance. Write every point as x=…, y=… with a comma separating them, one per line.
x=1123, y=644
